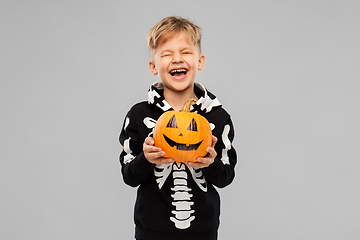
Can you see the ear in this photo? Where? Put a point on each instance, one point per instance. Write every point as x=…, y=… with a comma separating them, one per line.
x=153, y=68
x=201, y=62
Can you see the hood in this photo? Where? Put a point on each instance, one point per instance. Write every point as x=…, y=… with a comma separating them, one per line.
x=206, y=103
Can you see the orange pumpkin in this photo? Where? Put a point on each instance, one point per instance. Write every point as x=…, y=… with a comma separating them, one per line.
x=183, y=136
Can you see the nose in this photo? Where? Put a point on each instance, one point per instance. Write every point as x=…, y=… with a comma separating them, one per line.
x=177, y=58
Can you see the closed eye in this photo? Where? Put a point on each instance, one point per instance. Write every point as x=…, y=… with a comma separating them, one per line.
x=166, y=54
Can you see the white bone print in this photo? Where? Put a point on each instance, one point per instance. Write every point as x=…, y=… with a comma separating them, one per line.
x=161, y=172
x=128, y=157
x=182, y=198
x=198, y=178
x=227, y=143
x=150, y=124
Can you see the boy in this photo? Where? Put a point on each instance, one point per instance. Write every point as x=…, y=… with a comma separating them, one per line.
x=176, y=200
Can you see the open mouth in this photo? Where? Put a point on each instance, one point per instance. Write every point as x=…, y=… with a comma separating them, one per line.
x=179, y=72
x=182, y=146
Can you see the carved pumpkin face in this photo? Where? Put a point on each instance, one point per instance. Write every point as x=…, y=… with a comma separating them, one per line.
x=183, y=136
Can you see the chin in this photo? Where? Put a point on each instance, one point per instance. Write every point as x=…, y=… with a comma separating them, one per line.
x=180, y=87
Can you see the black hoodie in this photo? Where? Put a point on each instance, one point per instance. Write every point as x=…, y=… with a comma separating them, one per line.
x=175, y=201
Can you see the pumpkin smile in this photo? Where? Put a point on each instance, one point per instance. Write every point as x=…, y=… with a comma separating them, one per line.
x=182, y=146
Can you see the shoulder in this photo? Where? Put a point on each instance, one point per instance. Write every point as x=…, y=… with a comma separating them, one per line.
x=218, y=113
x=143, y=110
x=135, y=113
x=138, y=107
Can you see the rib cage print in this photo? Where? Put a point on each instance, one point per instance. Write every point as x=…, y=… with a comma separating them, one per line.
x=183, y=213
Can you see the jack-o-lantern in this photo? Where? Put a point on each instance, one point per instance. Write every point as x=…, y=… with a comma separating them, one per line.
x=182, y=135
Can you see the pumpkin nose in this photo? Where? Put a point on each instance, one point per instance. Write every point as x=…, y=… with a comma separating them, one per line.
x=180, y=135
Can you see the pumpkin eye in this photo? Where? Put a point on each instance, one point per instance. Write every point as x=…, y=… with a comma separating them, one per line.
x=192, y=126
x=172, y=123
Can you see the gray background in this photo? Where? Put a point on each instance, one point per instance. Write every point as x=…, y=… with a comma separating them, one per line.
x=287, y=71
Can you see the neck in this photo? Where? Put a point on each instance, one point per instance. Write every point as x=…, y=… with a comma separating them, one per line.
x=177, y=99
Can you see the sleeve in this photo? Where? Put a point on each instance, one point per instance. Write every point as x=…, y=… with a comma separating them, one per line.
x=134, y=166
x=222, y=171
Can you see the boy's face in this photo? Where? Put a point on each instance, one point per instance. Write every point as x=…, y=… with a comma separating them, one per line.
x=177, y=60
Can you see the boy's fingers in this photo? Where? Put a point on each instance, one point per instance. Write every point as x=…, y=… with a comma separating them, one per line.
x=206, y=161
x=149, y=141
x=166, y=160
x=212, y=152
x=156, y=154
x=149, y=145
x=197, y=164
x=151, y=149
x=162, y=160
x=213, y=141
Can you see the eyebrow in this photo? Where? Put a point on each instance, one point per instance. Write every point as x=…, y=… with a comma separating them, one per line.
x=164, y=51
x=181, y=50
x=186, y=49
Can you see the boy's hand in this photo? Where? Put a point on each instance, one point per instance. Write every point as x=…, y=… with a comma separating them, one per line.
x=154, y=154
x=208, y=159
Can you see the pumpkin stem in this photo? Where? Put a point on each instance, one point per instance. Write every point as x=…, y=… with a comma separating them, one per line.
x=187, y=105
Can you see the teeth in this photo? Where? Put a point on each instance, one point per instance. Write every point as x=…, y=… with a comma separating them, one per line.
x=178, y=70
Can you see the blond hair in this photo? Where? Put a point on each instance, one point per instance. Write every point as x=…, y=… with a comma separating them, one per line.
x=170, y=26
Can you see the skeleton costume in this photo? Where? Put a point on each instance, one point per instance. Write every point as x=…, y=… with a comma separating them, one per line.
x=175, y=201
